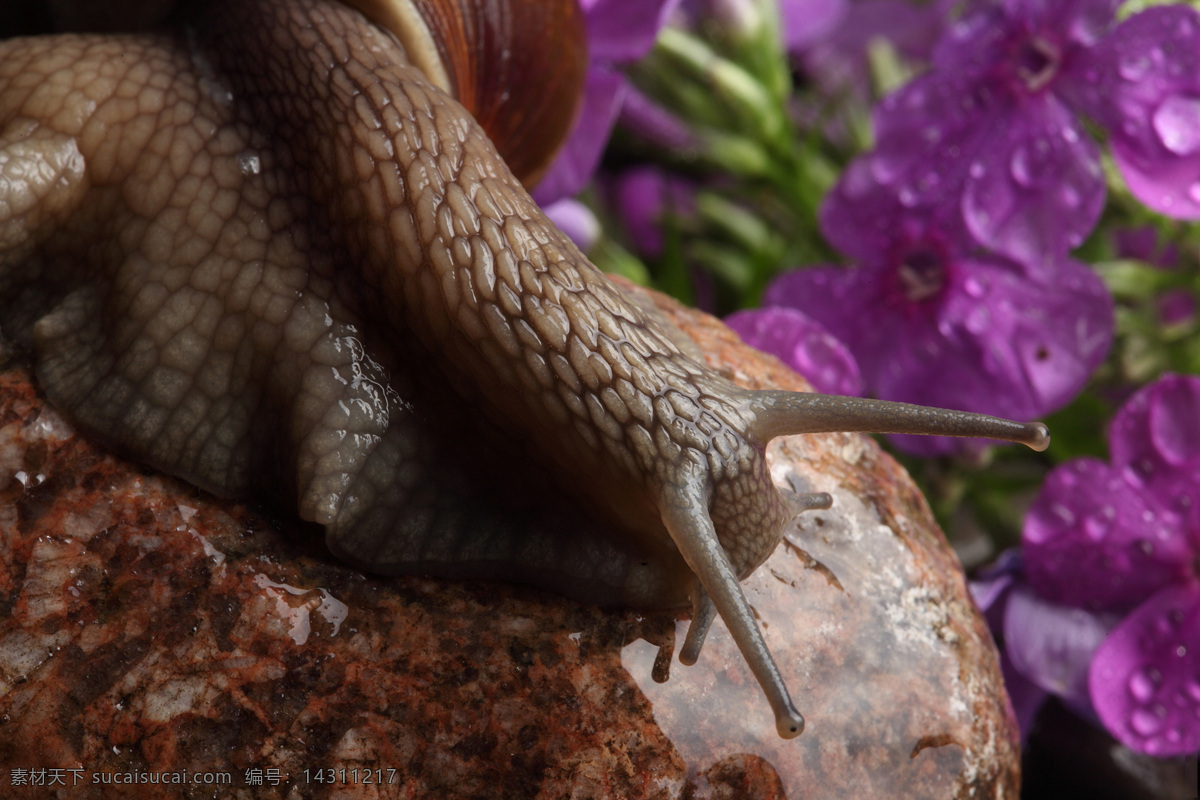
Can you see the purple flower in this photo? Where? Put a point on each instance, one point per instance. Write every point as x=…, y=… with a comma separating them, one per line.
x=619, y=31
x=987, y=127
x=994, y=124
x=802, y=344
x=807, y=22
x=1125, y=537
x=1045, y=648
x=575, y=220
x=1143, y=84
x=838, y=59
x=931, y=321
x=647, y=200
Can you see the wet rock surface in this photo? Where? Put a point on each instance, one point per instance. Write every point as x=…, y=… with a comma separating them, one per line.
x=147, y=629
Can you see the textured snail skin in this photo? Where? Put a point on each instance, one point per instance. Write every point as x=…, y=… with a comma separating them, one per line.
x=268, y=255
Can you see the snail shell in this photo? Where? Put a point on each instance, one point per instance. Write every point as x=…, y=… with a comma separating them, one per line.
x=269, y=253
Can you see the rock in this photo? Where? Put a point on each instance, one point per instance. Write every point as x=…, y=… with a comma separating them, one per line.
x=147, y=629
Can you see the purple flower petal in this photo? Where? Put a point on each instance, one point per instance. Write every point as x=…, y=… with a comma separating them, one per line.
x=1143, y=83
x=1052, y=645
x=807, y=22
x=1145, y=679
x=841, y=60
x=1158, y=429
x=1176, y=307
x=648, y=120
x=1026, y=696
x=1028, y=175
x=644, y=198
x=1035, y=190
x=803, y=345
x=866, y=214
x=624, y=30
x=988, y=341
x=1092, y=540
x=1155, y=441
x=575, y=220
x=578, y=159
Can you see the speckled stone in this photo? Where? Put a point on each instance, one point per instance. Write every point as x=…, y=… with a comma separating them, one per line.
x=148, y=628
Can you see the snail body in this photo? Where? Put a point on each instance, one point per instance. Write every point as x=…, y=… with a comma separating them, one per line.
x=269, y=253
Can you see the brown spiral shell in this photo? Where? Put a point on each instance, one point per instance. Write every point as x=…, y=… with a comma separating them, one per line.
x=517, y=65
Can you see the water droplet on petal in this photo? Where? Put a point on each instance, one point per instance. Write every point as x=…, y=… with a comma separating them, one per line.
x=1147, y=723
x=1194, y=192
x=1144, y=683
x=1176, y=122
x=1069, y=135
x=1134, y=65
x=973, y=287
x=1064, y=515
x=1173, y=736
x=1069, y=197
x=908, y=197
x=1098, y=524
x=979, y=321
x=1193, y=689
x=885, y=169
x=1020, y=168
x=978, y=170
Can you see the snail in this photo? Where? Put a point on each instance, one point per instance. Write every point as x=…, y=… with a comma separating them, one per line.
x=271, y=249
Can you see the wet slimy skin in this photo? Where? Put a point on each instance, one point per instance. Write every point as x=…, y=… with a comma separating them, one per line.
x=264, y=252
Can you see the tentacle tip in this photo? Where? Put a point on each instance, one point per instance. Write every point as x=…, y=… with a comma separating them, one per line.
x=789, y=723
x=688, y=656
x=1037, y=436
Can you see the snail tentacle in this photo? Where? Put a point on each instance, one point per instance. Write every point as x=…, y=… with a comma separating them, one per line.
x=783, y=413
x=297, y=267
x=703, y=614
x=685, y=514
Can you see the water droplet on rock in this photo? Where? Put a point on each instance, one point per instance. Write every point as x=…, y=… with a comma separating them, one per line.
x=1176, y=122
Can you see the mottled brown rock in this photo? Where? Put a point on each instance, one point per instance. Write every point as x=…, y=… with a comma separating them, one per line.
x=146, y=627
